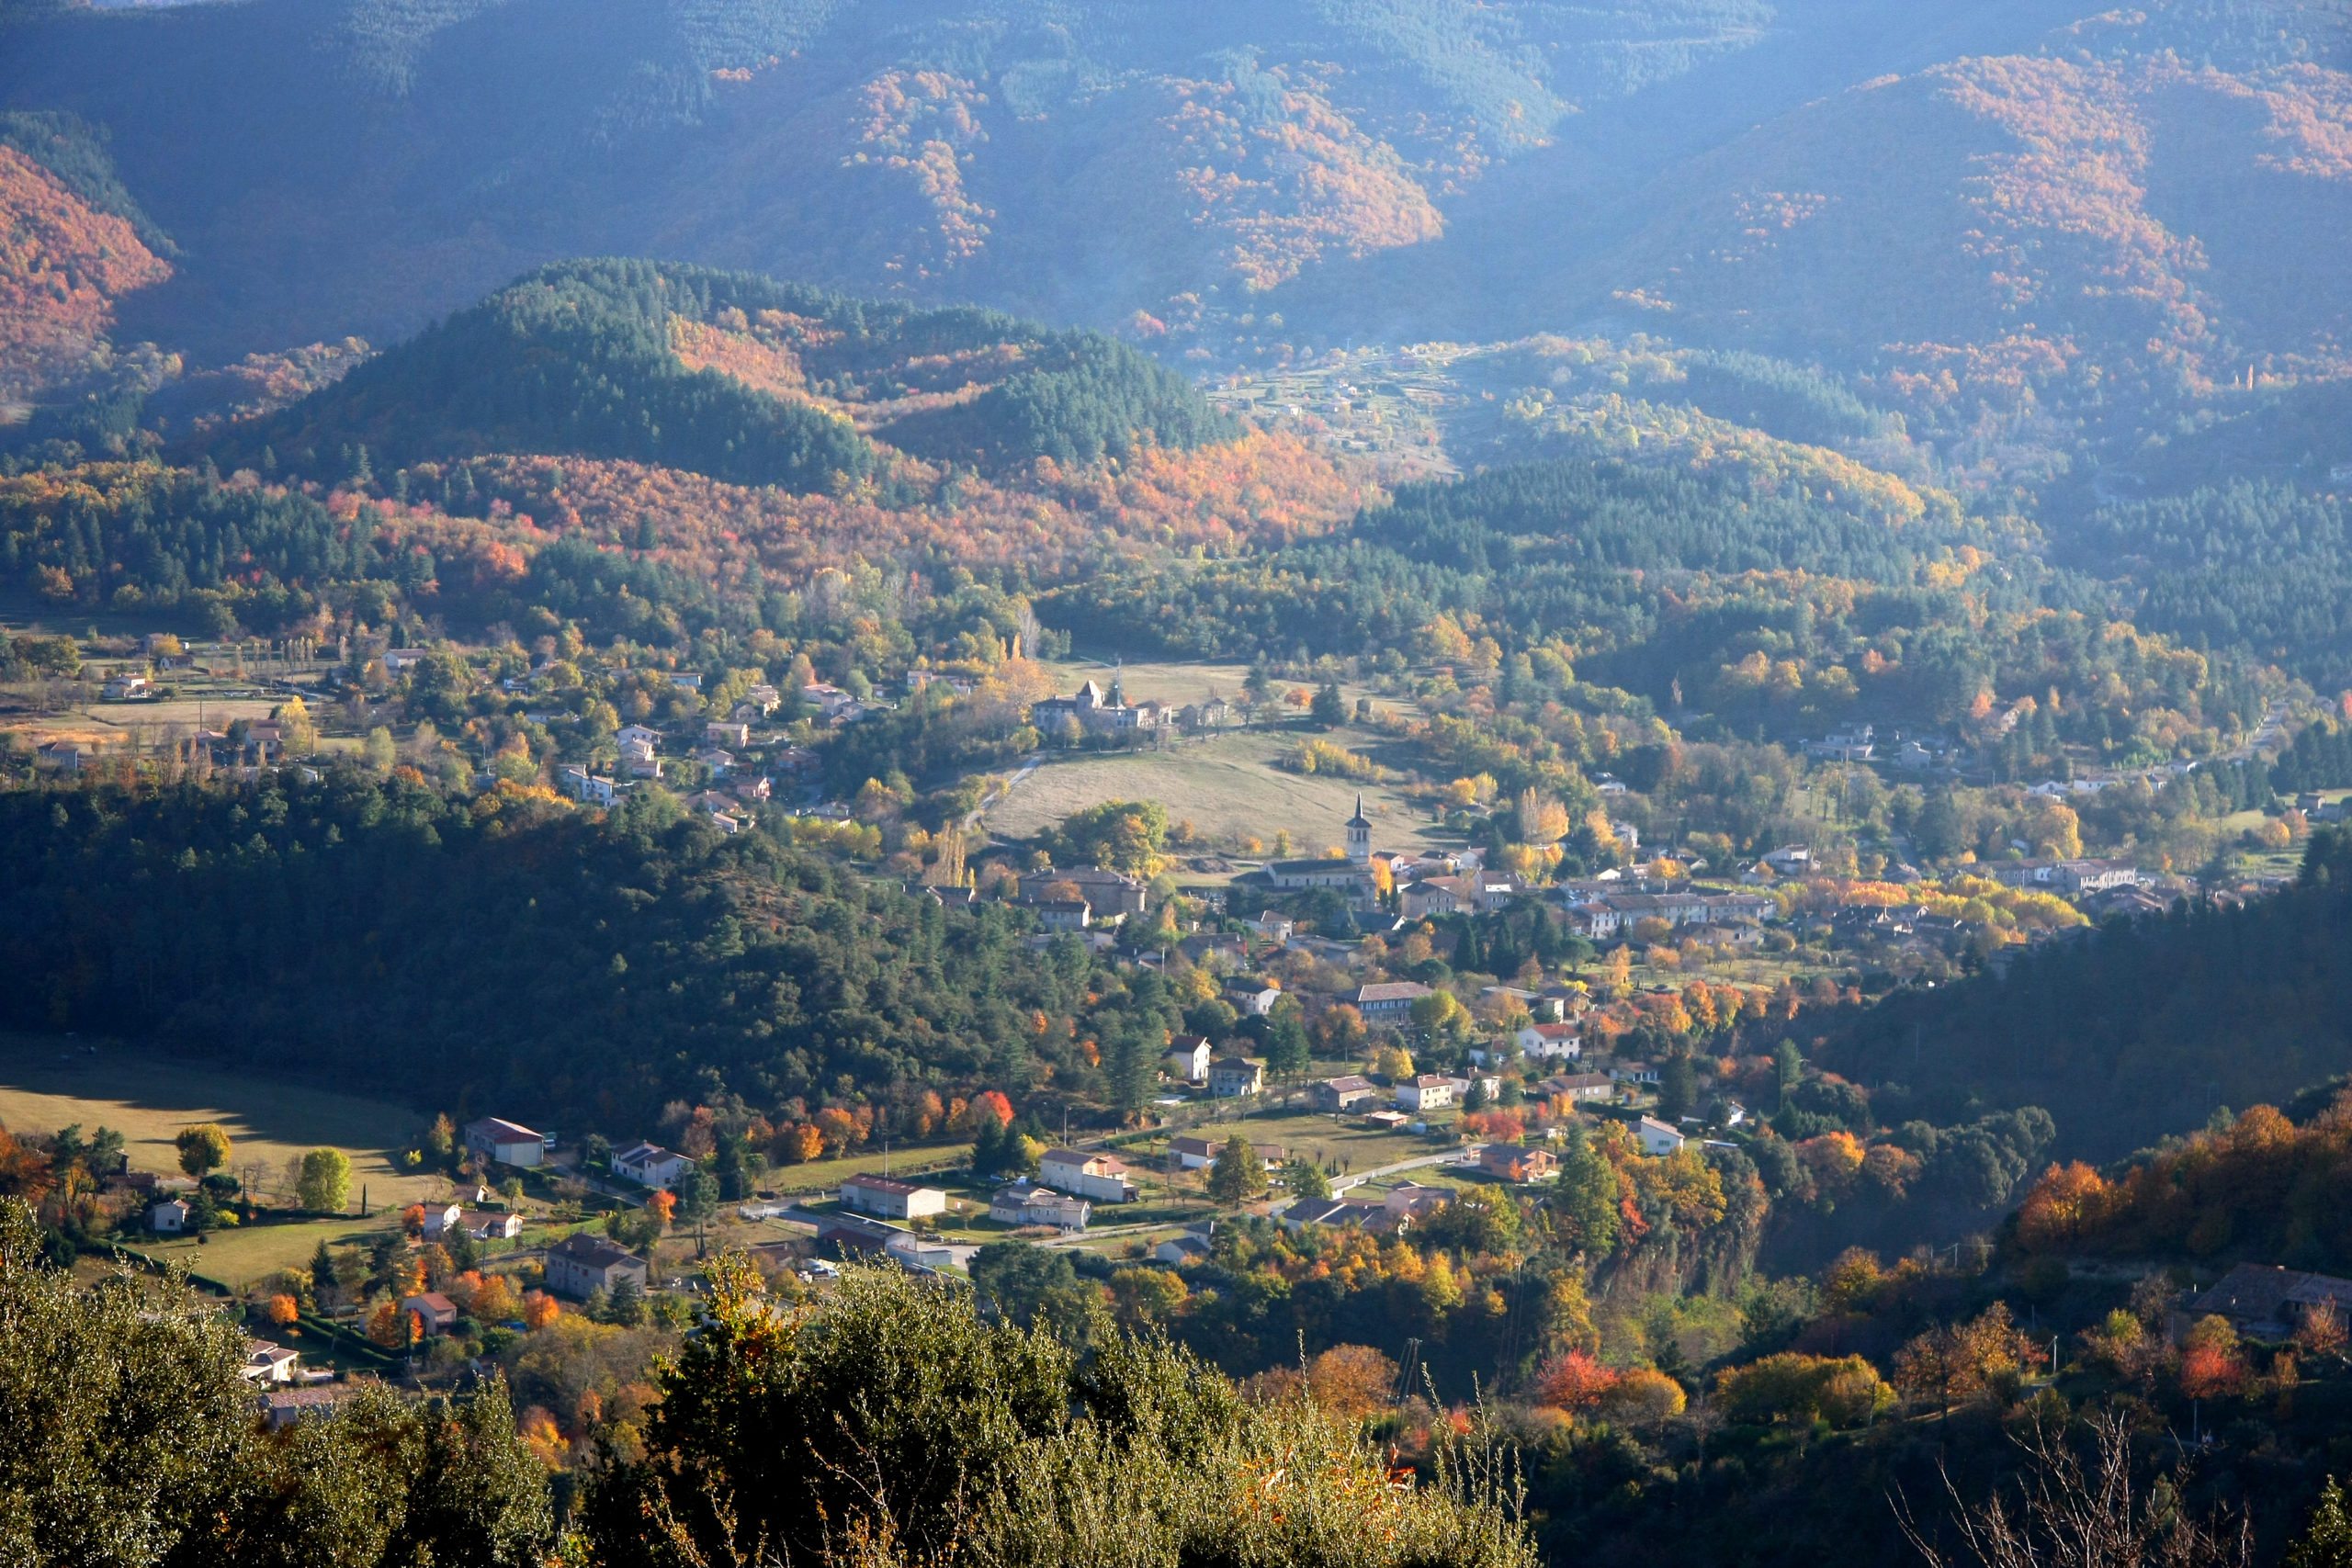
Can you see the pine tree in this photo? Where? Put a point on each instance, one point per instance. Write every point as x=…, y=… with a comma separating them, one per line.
x=1128, y=1066
x=325, y=1283
x=1306, y=1179
x=1287, y=1051
x=987, y=1145
x=1238, y=1175
x=2326, y=1542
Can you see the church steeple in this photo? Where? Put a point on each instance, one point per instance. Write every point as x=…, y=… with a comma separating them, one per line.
x=1359, y=836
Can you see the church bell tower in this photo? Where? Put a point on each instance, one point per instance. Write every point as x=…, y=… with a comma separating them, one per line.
x=1359, y=836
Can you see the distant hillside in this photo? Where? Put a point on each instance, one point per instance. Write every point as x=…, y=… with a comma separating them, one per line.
x=2096, y=226
x=2046, y=234
x=653, y=449
x=2133, y=1032
x=74, y=154
x=65, y=265
x=384, y=160
x=731, y=375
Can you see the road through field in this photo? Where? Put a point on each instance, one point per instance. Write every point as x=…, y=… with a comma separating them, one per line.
x=1028, y=766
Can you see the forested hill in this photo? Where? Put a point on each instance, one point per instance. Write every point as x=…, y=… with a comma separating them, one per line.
x=2050, y=207
x=729, y=375
x=510, y=952
x=2138, y=1030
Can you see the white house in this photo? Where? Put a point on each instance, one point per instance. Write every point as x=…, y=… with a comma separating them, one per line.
x=269, y=1364
x=1427, y=1092
x=1230, y=1078
x=1388, y=1001
x=440, y=1219
x=506, y=1142
x=1026, y=1204
x=830, y=701
x=1103, y=1177
x=635, y=734
x=1188, y=1058
x=581, y=784
x=491, y=1224
x=1658, y=1138
x=1255, y=1001
x=1194, y=1154
x=650, y=1165
x=1556, y=1041
x=169, y=1217
x=1063, y=914
x=892, y=1200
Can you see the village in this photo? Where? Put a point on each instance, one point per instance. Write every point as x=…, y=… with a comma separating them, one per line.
x=1371, y=1030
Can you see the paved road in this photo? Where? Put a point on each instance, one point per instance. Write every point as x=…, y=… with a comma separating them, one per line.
x=2265, y=736
x=1096, y=1233
x=1466, y=1155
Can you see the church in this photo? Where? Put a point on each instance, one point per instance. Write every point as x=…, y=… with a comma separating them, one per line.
x=1351, y=877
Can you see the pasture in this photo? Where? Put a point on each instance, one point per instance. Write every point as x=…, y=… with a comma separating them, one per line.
x=243, y=1257
x=1322, y=1138
x=48, y=1082
x=1227, y=787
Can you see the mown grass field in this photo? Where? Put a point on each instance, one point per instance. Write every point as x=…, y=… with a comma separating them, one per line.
x=1299, y=1133
x=46, y=1083
x=824, y=1175
x=1227, y=787
x=201, y=701
x=243, y=1256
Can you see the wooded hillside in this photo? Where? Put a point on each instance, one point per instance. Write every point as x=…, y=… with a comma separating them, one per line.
x=729, y=375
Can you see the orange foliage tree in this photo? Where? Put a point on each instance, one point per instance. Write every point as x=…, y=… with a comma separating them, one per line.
x=1573, y=1381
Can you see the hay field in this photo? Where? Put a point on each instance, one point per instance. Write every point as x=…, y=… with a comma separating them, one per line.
x=49, y=1082
x=1227, y=787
